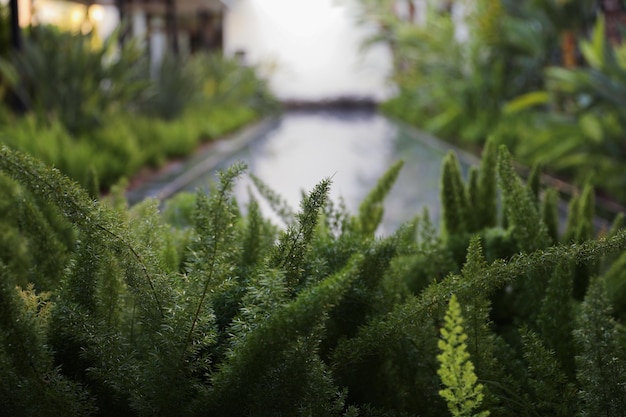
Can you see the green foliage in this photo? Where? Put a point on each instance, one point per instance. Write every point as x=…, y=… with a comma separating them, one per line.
x=209, y=80
x=500, y=75
x=100, y=104
x=61, y=75
x=371, y=209
x=556, y=315
x=485, y=203
x=600, y=360
x=455, y=86
x=550, y=212
x=463, y=393
x=30, y=384
x=208, y=309
x=472, y=206
x=290, y=252
x=581, y=212
x=173, y=88
x=224, y=80
x=454, y=197
x=581, y=136
x=615, y=281
x=521, y=212
x=550, y=390
x=124, y=144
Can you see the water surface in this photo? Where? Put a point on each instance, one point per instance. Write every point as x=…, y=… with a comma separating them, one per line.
x=354, y=148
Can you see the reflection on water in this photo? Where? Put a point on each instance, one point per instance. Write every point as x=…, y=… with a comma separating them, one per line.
x=354, y=148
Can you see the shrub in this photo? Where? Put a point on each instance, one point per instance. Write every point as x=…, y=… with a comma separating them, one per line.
x=96, y=113
x=63, y=76
x=217, y=312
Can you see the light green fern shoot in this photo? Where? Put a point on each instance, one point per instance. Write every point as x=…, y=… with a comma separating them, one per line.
x=463, y=393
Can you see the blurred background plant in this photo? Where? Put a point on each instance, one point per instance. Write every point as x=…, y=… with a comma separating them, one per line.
x=225, y=80
x=535, y=74
x=172, y=89
x=456, y=76
x=576, y=125
x=98, y=111
x=63, y=75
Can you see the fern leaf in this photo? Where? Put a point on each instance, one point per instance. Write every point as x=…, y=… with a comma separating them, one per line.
x=529, y=230
x=276, y=202
x=476, y=313
x=462, y=391
x=371, y=209
x=584, y=227
x=94, y=220
x=486, y=209
x=48, y=252
x=454, y=202
x=290, y=252
x=418, y=312
x=253, y=357
x=550, y=213
x=553, y=394
x=30, y=384
x=534, y=181
x=213, y=252
x=573, y=218
x=556, y=316
x=473, y=193
x=601, y=369
x=253, y=238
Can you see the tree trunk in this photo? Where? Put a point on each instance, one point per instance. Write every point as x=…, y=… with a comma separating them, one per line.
x=568, y=49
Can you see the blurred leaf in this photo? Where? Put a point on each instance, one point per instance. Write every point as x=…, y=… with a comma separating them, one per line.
x=526, y=101
x=565, y=80
x=8, y=72
x=594, y=50
x=592, y=127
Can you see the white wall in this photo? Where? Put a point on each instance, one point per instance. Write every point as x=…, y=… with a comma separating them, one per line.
x=313, y=47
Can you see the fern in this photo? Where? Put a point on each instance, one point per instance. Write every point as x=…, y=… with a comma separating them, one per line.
x=486, y=204
x=534, y=181
x=453, y=197
x=49, y=251
x=474, y=203
x=615, y=281
x=573, y=218
x=476, y=315
x=252, y=240
x=371, y=208
x=30, y=384
x=206, y=309
x=276, y=202
x=462, y=391
x=95, y=221
x=290, y=252
x=214, y=223
x=553, y=394
x=417, y=312
x=550, y=214
x=600, y=361
x=556, y=316
x=336, y=218
x=584, y=227
x=249, y=359
x=528, y=229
